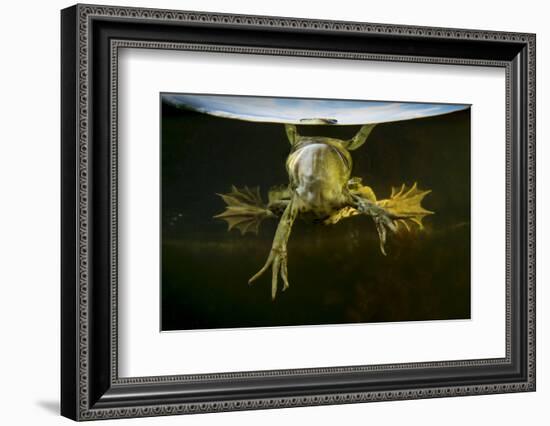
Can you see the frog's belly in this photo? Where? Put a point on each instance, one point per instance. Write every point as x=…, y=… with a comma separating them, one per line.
x=318, y=174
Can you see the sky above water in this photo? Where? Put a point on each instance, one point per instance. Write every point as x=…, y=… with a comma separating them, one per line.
x=308, y=111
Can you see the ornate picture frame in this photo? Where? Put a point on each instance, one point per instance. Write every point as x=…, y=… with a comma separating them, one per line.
x=91, y=37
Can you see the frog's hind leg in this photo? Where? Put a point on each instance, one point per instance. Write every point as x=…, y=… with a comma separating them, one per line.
x=402, y=208
x=277, y=258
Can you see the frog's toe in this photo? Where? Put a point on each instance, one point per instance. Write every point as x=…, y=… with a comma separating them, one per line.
x=284, y=274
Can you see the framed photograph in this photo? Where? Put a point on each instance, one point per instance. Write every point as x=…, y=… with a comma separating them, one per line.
x=263, y=212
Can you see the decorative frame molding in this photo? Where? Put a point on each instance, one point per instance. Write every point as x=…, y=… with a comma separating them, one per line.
x=91, y=388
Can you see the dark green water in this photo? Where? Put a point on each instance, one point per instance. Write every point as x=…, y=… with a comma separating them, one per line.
x=337, y=273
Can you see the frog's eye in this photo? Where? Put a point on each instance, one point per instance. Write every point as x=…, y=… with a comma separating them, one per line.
x=318, y=121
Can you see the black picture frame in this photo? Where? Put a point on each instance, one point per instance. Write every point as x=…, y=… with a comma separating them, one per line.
x=90, y=38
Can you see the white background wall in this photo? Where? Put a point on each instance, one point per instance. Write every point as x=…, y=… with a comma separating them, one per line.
x=29, y=211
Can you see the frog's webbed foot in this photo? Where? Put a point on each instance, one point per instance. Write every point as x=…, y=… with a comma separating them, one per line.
x=244, y=210
x=277, y=258
x=278, y=261
x=405, y=205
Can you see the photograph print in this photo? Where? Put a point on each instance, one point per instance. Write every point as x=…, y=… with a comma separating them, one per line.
x=302, y=212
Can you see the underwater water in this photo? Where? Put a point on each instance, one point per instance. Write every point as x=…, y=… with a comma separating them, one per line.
x=337, y=273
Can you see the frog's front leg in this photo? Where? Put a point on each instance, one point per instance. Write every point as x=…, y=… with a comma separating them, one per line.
x=383, y=219
x=277, y=258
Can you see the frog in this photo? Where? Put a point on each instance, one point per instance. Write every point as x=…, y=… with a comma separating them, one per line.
x=320, y=186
